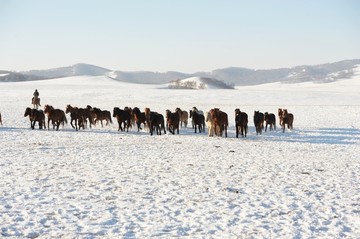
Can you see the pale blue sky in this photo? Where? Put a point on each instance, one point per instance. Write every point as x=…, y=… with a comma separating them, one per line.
x=183, y=35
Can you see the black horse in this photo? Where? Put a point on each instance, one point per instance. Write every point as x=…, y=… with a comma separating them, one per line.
x=270, y=119
x=241, y=123
x=258, y=121
x=156, y=122
x=198, y=120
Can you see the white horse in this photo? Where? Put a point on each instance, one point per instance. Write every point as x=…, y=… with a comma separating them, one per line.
x=211, y=126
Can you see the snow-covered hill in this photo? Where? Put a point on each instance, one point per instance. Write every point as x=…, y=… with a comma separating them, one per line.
x=74, y=70
x=198, y=83
x=236, y=76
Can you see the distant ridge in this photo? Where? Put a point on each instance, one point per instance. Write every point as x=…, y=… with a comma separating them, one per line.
x=74, y=70
x=232, y=76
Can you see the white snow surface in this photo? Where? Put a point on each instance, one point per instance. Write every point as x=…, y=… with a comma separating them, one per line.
x=102, y=183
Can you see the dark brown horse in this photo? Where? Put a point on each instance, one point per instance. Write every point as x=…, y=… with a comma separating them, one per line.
x=77, y=115
x=173, y=121
x=139, y=117
x=258, y=121
x=241, y=123
x=35, y=116
x=286, y=118
x=122, y=117
x=270, y=119
x=1, y=120
x=100, y=115
x=155, y=121
x=87, y=115
x=197, y=120
x=220, y=121
x=56, y=116
x=35, y=102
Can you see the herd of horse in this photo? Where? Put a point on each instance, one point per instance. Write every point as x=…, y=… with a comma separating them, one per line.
x=215, y=120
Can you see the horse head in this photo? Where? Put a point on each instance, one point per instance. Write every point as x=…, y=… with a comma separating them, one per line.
x=285, y=112
x=27, y=111
x=68, y=109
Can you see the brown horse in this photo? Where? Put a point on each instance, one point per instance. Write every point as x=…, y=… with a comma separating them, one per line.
x=35, y=116
x=1, y=120
x=173, y=121
x=241, y=123
x=35, y=102
x=198, y=120
x=77, y=115
x=258, y=121
x=139, y=117
x=286, y=118
x=220, y=121
x=270, y=119
x=98, y=114
x=280, y=113
x=57, y=116
x=122, y=117
x=87, y=115
x=183, y=116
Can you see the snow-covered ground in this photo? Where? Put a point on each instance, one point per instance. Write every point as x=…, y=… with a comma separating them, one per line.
x=101, y=183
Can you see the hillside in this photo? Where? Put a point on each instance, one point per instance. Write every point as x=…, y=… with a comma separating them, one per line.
x=198, y=83
x=233, y=76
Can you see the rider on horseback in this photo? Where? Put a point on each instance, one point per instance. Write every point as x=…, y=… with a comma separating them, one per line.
x=36, y=94
x=36, y=99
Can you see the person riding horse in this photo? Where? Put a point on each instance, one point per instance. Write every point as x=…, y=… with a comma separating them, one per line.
x=36, y=94
x=36, y=99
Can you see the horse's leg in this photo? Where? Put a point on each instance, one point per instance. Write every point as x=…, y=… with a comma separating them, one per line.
x=151, y=129
x=76, y=124
x=71, y=122
x=119, y=128
x=138, y=125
